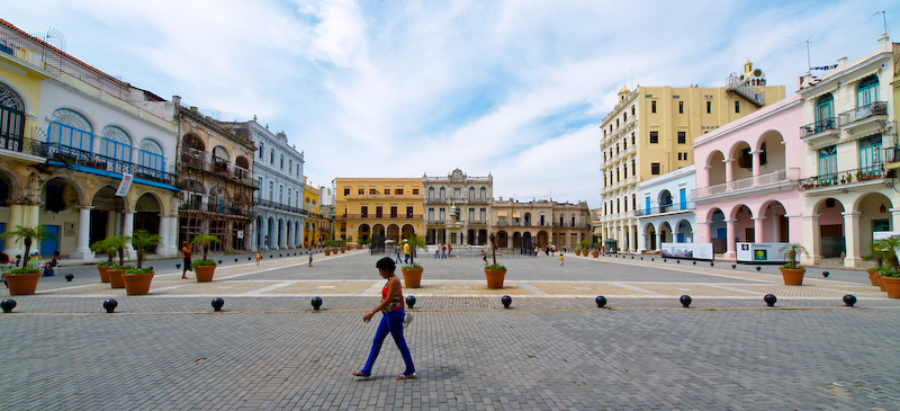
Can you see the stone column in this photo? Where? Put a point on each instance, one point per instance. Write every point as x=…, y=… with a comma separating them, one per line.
x=165, y=231
x=82, y=247
x=731, y=251
x=13, y=245
x=263, y=232
x=282, y=236
x=851, y=239
x=895, y=219
x=756, y=166
x=812, y=240
x=758, y=227
x=729, y=173
x=128, y=231
x=704, y=232
x=659, y=239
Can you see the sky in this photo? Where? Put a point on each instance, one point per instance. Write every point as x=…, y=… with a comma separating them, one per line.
x=514, y=88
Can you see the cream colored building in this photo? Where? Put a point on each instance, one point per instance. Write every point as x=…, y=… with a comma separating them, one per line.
x=522, y=226
x=650, y=132
x=458, y=208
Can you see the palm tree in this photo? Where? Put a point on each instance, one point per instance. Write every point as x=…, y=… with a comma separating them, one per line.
x=113, y=244
x=141, y=240
x=28, y=235
x=889, y=247
x=793, y=252
x=416, y=243
x=204, y=241
x=105, y=246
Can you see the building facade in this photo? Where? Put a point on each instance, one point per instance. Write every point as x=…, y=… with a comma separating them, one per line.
x=666, y=213
x=317, y=224
x=850, y=131
x=747, y=180
x=278, y=170
x=458, y=208
x=216, y=172
x=650, y=132
x=379, y=209
x=523, y=226
x=71, y=137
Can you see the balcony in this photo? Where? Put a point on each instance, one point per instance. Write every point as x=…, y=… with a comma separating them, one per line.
x=854, y=121
x=891, y=157
x=73, y=156
x=859, y=179
x=14, y=145
x=739, y=187
x=436, y=222
x=398, y=217
x=666, y=209
x=822, y=129
x=199, y=161
x=282, y=207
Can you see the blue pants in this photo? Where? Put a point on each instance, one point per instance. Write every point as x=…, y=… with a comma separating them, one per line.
x=391, y=322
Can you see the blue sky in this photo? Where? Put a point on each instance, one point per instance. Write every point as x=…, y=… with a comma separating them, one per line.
x=400, y=89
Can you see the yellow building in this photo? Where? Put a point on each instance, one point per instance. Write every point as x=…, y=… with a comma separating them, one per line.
x=317, y=224
x=650, y=132
x=892, y=154
x=380, y=209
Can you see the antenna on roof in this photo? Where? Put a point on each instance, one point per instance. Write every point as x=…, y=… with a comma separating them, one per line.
x=52, y=33
x=883, y=19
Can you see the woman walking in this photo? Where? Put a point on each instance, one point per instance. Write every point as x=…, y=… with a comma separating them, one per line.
x=392, y=319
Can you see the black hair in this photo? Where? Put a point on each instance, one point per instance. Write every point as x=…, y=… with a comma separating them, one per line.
x=386, y=263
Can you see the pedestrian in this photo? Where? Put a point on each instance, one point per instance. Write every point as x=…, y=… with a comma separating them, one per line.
x=406, y=252
x=449, y=250
x=186, y=251
x=51, y=265
x=443, y=251
x=393, y=318
x=308, y=251
x=484, y=257
x=397, y=250
x=18, y=259
x=437, y=250
x=35, y=260
x=562, y=258
x=258, y=257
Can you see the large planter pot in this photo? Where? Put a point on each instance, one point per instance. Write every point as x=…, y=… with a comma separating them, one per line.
x=793, y=276
x=205, y=273
x=412, y=278
x=892, y=286
x=22, y=284
x=327, y=252
x=872, y=276
x=137, y=284
x=342, y=250
x=595, y=254
x=880, y=282
x=104, y=275
x=495, y=278
x=115, y=278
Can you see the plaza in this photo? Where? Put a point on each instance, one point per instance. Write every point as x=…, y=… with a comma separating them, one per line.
x=553, y=349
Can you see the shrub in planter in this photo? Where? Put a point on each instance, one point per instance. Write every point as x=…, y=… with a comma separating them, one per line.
x=24, y=280
x=204, y=268
x=137, y=281
x=495, y=273
x=792, y=272
x=412, y=273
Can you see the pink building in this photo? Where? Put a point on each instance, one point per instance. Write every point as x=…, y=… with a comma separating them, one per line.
x=747, y=179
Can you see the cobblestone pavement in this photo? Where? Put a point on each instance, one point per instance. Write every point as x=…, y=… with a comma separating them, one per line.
x=553, y=349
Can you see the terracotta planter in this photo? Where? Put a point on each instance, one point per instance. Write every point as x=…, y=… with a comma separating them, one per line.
x=880, y=282
x=22, y=284
x=115, y=278
x=104, y=275
x=892, y=286
x=342, y=250
x=205, y=273
x=495, y=278
x=412, y=278
x=793, y=276
x=137, y=284
x=872, y=276
x=327, y=252
x=595, y=254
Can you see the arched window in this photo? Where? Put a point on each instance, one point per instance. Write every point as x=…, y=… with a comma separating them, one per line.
x=867, y=92
x=431, y=193
x=151, y=155
x=68, y=128
x=12, y=119
x=443, y=193
x=824, y=112
x=471, y=193
x=116, y=143
x=483, y=193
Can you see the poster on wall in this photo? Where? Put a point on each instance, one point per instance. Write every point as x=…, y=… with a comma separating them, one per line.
x=761, y=252
x=695, y=251
x=881, y=235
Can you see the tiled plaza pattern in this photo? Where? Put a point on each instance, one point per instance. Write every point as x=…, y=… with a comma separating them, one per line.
x=552, y=350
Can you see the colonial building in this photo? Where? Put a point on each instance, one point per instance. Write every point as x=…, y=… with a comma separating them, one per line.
x=78, y=152
x=458, y=208
x=278, y=169
x=380, y=209
x=666, y=214
x=650, y=132
x=317, y=223
x=522, y=226
x=850, y=132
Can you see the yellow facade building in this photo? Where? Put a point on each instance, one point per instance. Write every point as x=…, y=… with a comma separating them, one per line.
x=317, y=224
x=651, y=131
x=379, y=209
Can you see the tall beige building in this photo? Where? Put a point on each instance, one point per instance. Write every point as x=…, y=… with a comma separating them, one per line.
x=650, y=132
x=458, y=208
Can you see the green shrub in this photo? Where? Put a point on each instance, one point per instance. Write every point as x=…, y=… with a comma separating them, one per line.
x=202, y=263
x=496, y=267
x=145, y=270
x=25, y=270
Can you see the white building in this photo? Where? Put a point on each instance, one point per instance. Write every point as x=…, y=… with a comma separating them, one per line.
x=667, y=212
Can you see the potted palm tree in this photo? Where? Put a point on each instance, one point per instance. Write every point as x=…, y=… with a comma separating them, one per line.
x=329, y=243
x=495, y=273
x=412, y=273
x=890, y=272
x=596, y=252
x=792, y=272
x=137, y=280
x=105, y=246
x=204, y=268
x=115, y=272
x=24, y=280
x=875, y=254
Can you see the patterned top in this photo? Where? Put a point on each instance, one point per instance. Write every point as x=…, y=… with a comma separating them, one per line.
x=395, y=303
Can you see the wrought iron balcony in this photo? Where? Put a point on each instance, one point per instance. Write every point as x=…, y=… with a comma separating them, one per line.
x=669, y=208
x=22, y=145
x=283, y=207
x=820, y=126
x=199, y=160
x=891, y=154
x=847, y=179
x=875, y=108
x=70, y=155
x=760, y=181
x=398, y=217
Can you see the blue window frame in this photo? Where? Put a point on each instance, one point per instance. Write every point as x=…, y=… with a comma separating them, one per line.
x=70, y=129
x=867, y=92
x=151, y=155
x=870, y=153
x=116, y=143
x=828, y=161
x=824, y=108
x=262, y=148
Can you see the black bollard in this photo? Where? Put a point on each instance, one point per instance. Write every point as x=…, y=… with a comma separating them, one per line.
x=217, y=303
x=411, y=301
x=110, y=305
x=177, y=265
x=758, y=268
x=316, y=303
x=685, y=301
x=600, y=300
x=849, y=299
x=733, y=266
x=7, y=305
x=825, y=274
x=220, y=262
x=712, y=264
x=70, y=277
x=770, y=300
x=695, y=263
x=235, y=260
x=506, y=300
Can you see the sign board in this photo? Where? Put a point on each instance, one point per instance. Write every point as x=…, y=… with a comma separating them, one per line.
x=761, y=252
x=240, y=234
x=881, y=235
x=695, y=251
x=125, y=185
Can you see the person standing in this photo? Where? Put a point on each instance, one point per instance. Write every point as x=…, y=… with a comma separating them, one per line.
x=484, y=257
x=562, y=259
x=437, y=251
x=443, y=251
x=186, y=251
x=308, y=251
x=449, y=250
x=397, y=250
x=258, y=257
x=406, y=252
x=393, y=316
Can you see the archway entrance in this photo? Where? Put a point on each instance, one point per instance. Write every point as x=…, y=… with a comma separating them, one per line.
x=104, y=215
x=831, y=228
x=146, y=216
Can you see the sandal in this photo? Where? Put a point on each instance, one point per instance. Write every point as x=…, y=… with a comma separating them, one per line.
x=360, y=374
x=407, y=376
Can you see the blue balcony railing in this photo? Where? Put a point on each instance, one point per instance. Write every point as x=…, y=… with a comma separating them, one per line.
x=70, y=155
x=670, y=208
